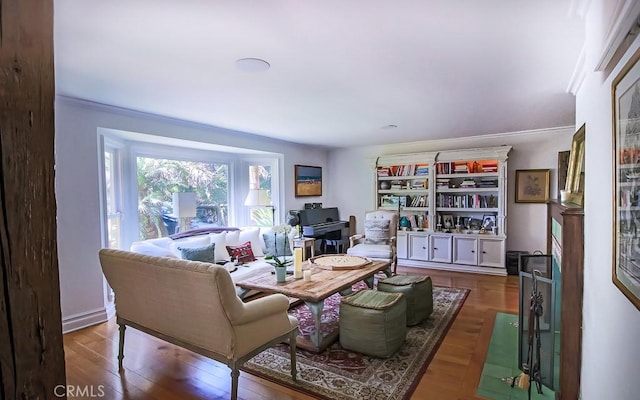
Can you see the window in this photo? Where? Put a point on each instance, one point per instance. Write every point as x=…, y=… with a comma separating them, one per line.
x=112, y=189
x=142, y=172
x=260, y=179
x=159, y=178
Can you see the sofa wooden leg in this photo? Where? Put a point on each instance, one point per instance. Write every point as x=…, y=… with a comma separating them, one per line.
x=292, y=349
x=121, y=328
x=235, y=373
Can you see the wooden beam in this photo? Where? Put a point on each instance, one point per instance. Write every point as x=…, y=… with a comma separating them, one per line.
x=31, y=352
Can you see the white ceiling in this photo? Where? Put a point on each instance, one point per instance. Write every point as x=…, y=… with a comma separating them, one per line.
x=341, y=70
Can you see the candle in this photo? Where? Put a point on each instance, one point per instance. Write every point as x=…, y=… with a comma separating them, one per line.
x=297, y=263
x=307, y=275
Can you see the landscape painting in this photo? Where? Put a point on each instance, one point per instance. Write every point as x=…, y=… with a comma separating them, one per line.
x=308, y=180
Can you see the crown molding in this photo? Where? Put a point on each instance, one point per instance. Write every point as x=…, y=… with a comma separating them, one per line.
x=624, y=24
x=579, y=73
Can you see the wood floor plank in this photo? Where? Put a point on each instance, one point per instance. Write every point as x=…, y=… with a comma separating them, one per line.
x=154, y=369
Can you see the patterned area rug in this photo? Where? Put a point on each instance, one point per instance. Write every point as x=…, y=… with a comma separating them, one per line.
x=341, y=374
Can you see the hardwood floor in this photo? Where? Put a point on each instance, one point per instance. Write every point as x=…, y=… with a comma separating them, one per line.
x=154, y=369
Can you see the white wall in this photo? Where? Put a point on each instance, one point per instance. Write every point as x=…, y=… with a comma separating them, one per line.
x=352, y=177
x=611, y=323
x=82, y=290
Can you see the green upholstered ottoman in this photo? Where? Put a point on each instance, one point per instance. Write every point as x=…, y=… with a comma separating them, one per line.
x=418, y=291
x=373, y=323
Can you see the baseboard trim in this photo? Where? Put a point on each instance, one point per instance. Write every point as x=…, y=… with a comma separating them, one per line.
x=83, y=320
x=453, y=267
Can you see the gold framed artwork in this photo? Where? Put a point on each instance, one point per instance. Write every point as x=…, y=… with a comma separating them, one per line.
x=308, y=180
x=574, y=186
x=625, y=94
x=532, y=185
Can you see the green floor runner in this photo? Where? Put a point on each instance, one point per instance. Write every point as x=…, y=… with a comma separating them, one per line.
x=502, y=362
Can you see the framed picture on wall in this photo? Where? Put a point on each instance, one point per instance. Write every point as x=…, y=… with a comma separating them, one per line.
x=532, y=185
x=626, y=182
x=308, y=180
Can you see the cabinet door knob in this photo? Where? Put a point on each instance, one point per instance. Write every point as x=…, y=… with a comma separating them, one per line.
x=473, y=251
x=435, y=248
x=424, y=248
x=484, y=252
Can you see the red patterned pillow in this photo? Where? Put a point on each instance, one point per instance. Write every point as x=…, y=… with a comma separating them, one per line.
x=242, y=252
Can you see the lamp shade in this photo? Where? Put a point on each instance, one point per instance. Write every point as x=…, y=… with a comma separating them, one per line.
x=184, y=204
x=257, y=198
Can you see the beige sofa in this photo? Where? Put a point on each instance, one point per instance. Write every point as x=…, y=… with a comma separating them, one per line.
x=194, y=305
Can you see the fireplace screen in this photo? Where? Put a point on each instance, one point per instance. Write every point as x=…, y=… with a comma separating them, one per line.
x=545, y=341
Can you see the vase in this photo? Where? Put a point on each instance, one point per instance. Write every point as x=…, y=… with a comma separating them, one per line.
x=281, y=274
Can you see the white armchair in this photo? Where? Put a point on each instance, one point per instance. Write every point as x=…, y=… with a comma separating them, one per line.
x=194, y=305
x=379, y=239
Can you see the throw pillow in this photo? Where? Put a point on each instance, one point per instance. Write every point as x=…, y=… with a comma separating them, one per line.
x=253, y=236
x=279, y=242
x=242, y=252
x=204, y=253
x=376, y=231
x=220, y=240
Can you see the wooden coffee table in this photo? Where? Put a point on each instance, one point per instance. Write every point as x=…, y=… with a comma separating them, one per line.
x=323, y=284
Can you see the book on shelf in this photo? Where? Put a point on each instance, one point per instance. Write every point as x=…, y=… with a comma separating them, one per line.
x=384, y=171
x=466, y=201
x=468, y=183
x=442, y=182
x=420, y=184
x=422, y=169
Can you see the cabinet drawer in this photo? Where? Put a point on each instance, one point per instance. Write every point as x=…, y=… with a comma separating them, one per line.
x=491, y=253
x=419, y=248
x=465, y=250
x=440, y=248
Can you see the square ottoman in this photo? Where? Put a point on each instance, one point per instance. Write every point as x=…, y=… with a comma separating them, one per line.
x=418, y=291
x=373, y=322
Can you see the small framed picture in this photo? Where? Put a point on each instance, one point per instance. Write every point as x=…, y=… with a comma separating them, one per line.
x=475, y=223
x=532, y=185
x=308, y=180
x=403, y=201
x=447, y=220
x=488, y=222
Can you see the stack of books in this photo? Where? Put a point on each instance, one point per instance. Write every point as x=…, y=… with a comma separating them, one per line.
x=468, y=183
x=490, y=166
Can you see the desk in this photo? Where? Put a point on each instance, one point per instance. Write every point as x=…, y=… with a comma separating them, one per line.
x=304, y=243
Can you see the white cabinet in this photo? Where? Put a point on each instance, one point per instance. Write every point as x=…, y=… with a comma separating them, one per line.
x=491, y=252
x=419, y=247
x=402, y=244
x=465, y=250
x=440, y=248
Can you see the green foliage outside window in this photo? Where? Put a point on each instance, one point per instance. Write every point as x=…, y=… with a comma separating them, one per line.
x=158, y=179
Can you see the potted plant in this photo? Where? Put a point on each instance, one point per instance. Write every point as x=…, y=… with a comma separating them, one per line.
x=280, y=263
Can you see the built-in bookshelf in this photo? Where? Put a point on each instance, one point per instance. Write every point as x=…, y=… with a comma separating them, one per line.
x=404, y=184
x=452, y=207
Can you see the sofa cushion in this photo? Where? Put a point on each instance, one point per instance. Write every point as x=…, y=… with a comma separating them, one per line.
x=277, y=244
x=376, y=231
x=196, y=241
x=253, y=236
x=204, y=253
x=241, y=252
x=155, y=247
x=220, y=240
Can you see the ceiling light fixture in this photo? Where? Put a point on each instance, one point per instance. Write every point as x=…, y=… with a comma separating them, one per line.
x=252, y=65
